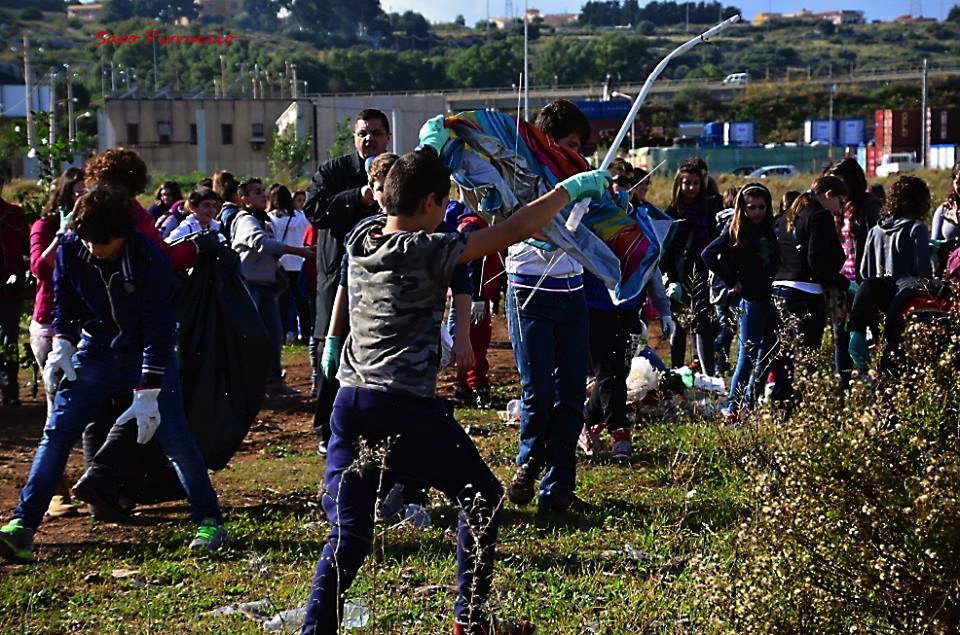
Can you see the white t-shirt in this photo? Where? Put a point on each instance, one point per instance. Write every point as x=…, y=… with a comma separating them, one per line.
x=290, y=230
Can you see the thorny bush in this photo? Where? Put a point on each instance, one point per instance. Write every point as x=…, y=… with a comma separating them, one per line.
x=855, y=524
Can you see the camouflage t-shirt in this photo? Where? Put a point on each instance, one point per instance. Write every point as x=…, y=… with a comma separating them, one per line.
x=396, y=287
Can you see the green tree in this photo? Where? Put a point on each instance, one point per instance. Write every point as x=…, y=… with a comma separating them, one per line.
x=288, y=155
x=954, y=15
x=496, y=63
x=343, y=139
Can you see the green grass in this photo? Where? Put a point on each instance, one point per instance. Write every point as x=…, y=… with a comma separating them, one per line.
x=624, y=568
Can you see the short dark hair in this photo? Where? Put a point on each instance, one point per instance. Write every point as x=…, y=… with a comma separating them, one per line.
x=104, y=213
x=202, y=194
x=414, y=176
x=244, y=188
x=205, y=182
x=230, y=189
x=561, y=118
x=373, y=113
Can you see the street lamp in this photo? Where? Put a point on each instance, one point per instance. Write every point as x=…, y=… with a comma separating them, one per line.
x=76, y=121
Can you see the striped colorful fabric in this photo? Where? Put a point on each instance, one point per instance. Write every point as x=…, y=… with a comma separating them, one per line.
x=507, y=164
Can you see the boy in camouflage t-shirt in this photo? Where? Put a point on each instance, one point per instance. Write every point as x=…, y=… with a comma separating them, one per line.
x=398, y=274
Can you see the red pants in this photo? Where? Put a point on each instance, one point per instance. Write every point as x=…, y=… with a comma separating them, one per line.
x=476, y=376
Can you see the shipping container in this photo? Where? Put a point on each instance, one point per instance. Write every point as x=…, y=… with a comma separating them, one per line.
x=941, y=156
x=739, y=133
x=849, y=132
x=901, y=128
x=878, y=119
x=615, y=109
x=817, y=130
x=873, y=159
x=943, y=126
x=592, y=108
x=691, y=129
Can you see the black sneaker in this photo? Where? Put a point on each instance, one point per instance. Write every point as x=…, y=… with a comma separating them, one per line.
x=575, y=505
x=462, y=396
x=483, y=400
x=103, y=507
x=521, y=488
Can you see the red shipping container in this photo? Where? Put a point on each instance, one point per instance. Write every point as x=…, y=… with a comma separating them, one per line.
x=879, y=117
x=902, y=128
x=872, y=159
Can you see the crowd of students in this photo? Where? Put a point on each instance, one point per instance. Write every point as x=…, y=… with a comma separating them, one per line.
x=362, y=266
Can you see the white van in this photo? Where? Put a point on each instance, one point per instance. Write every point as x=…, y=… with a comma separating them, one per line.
x=737, y=79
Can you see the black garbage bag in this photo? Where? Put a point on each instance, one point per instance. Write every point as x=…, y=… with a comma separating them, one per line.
x=224, y=355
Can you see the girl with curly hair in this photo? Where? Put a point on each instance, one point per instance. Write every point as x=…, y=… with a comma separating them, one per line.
x=899, y=247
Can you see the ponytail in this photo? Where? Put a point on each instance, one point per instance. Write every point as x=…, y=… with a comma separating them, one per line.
x=822, y=185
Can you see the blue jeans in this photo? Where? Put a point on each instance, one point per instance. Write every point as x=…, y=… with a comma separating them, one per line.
x=265, y=298
x=423, y=443
x=757, y=321
x=551, y=347
x=101, y=375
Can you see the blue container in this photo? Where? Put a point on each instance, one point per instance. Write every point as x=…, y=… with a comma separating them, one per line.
x=616, y=109
x=592, y=108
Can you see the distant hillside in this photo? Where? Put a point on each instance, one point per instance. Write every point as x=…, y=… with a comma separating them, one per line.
x=455, y=55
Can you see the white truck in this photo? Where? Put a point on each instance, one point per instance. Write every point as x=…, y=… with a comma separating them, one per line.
x=897, y=162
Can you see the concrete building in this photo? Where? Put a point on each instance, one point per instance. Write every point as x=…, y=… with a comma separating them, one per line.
x=177, y=135
x=86, y=12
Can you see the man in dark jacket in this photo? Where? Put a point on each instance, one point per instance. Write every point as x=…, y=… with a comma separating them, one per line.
x=14, y=245
x=338, y=198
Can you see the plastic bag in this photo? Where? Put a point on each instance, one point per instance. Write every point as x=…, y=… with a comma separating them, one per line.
x=641, y=380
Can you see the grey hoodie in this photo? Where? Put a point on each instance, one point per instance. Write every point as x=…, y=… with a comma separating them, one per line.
x=259, y=250
x=897, y=248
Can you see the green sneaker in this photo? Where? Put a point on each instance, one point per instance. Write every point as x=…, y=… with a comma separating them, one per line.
x=210, y=536
x=16, y=542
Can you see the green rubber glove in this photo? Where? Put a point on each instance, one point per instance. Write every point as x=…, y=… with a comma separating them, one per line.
x=675, y=292
x=330, y=359
x=589, y=184
x=853, y=288
x=858, y=349
x=432, y=133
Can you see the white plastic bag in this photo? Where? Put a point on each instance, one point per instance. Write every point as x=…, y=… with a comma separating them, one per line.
x=641, y=380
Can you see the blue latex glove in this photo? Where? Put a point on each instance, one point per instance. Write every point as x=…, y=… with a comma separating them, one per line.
x=589, y=184
x=675, y=292
x=853, y=288
x=858, y=349
x=432, y=133
x=330, y=358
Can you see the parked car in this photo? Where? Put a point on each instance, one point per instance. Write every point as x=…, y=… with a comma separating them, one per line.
x=774, y=171
x=737, y=79
x=744, y=170
x=897, y=162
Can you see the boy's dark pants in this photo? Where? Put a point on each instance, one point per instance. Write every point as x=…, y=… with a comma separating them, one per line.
x=425, y=444
x=609, y=333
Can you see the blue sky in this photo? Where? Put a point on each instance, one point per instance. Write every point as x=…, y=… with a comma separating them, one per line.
x=477, y=10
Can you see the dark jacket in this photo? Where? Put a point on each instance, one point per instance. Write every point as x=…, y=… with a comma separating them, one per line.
x=334, y=201
x=228, y=213
x=334, y=205
x=865, y=218
x=688, y=242
x=122, y=305
x=812, y=251
x=753, y=265
x=14, y=248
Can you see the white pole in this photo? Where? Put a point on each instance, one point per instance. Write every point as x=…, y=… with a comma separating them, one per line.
x=28, y=76
x=526, y=62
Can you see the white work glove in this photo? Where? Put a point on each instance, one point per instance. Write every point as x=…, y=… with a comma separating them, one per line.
x=59, y=365
x=478, y=311
x=146, y=411
x=667, y=327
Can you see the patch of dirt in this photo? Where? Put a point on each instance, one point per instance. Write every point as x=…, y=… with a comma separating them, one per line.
x=282, y=421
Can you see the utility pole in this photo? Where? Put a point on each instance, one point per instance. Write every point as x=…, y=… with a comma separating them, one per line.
x=293, y=82
x=103, y=77
x=830, y=132
x=526, y=69
x=156, y=79
x=223, y=76
x=923, y=117
x=53, y=107
x=113, y=77
x=28, y=76
x=71, y=124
